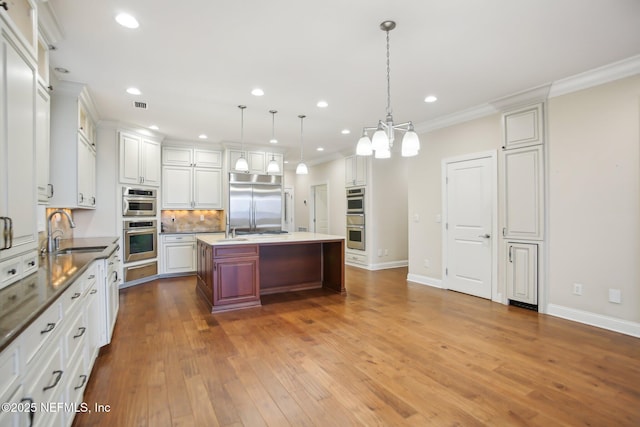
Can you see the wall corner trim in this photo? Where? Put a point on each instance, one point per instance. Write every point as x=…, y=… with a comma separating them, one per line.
x=424, y=280
x=593, y=319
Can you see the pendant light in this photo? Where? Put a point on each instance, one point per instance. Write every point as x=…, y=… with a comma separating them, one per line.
x=383, y=136
x=273, y=166
x=302, y=168
x=241, y=163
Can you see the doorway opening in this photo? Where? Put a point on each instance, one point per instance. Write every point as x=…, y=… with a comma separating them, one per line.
x=319, y=212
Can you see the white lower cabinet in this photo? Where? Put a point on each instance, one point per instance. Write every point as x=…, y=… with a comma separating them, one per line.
x=522, y=272
x=178, y=253
x=48, y=365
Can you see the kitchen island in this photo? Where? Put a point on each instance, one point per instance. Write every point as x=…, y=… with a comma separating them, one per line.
x=233, y=273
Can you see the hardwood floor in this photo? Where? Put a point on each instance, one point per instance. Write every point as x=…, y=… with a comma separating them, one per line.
x=390, y=353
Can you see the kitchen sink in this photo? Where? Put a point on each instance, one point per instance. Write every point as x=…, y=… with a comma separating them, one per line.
x=80, y=249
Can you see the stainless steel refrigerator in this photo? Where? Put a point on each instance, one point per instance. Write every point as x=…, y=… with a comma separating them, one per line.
x=255, y=203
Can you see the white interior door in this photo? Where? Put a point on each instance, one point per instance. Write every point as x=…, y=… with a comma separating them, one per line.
x=469, y=195
x=288, y=212
x=320, y=212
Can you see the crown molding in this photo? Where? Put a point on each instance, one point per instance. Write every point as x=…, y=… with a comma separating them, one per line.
x=48, y=24
x=597, y=76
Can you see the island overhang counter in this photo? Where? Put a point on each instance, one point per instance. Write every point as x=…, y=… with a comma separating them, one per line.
x=234, y=273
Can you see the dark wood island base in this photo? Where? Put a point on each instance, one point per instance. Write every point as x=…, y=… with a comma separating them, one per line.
x=232, y=274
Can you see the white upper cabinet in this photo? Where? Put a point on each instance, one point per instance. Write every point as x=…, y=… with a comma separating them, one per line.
x=43, y=114
x=355, y=168
x=257, y=160
x=523, y=189
x=18, y=225
x=71, y=117
x=139, y=160
x=191, y=178
x=21, y=16
x=523, y=127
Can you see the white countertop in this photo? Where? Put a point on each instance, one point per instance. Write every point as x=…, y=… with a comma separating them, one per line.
x=219, y=239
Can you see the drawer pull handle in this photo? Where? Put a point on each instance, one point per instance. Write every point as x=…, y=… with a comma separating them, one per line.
x=13, y=297
x=93, y=291
x=82, y=330
x=12, y=271
x=31, y=412
x=55, y=383
x=49, y=328
x=93, y=276
x=76, y=295
x=84, y=381
x=32, y=263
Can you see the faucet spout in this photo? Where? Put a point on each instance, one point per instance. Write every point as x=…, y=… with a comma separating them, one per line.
x=51, y=247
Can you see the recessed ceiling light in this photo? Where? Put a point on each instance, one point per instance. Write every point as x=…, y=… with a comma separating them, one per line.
x=345, y=131
x=431, y=98
x=257, y=92
x=62, y=70
x=134, y=91
x=127, y=20
x=154, y=127
x=319, y=149
x=202, y=136
x=322, y=104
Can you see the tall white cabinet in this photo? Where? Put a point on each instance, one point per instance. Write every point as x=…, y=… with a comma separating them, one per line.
x=18, y=226
x=522, y=161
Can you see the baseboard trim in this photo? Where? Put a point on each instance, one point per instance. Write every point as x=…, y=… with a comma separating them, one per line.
x=605, y=322
x=424, y=280
x=387, y=265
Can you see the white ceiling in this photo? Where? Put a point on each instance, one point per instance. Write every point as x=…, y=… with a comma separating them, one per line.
x=196, y=60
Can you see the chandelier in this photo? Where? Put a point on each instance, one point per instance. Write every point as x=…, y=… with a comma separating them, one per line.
x=384, y=133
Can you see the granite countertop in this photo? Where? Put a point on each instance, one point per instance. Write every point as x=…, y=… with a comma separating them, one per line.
x=23, y=301
x=297, y=237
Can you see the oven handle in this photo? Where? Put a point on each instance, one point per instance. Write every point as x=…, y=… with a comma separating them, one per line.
x=141, y=230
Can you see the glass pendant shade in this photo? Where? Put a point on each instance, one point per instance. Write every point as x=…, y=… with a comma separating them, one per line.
x=380, y=140
x=410, y=144
x=364, y=146
x=242, y=164
x=302, y=169
x=383, y=154
x=273, y=166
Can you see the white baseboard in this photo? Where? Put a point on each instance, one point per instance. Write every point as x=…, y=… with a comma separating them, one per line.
x=424, y=280
x=605, y=322
x=390, y=264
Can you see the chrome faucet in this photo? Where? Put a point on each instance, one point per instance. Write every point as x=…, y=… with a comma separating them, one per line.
x=52, y=244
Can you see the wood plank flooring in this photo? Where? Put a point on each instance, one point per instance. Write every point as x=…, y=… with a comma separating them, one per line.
x=390, y=353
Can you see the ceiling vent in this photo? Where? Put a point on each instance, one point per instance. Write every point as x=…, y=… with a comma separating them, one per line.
x=140, y=105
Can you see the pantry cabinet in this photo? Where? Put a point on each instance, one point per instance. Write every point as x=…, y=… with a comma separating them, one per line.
x=43, y=130
x=18, y=197
x=139, y=160
x=73, y=147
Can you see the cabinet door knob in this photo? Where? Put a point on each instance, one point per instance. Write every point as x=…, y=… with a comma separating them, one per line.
x=485, y=236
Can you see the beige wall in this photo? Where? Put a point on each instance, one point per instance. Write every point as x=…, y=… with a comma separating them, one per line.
x=594, y=200
x=330, y=173
x=425, y=185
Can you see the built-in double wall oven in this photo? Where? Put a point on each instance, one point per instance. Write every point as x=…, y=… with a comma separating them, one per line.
x=140, y=233
x=356, y=230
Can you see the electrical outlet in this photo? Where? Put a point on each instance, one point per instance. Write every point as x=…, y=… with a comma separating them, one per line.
x=386, y=252
x=615, y=296
x=379, y=252
x=427, y=263
x=201, y=217
x=577, y=289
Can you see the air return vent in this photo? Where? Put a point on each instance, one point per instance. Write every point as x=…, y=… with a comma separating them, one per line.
x=141, y=105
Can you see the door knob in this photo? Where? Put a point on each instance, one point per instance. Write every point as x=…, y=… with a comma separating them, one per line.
x=485, y=236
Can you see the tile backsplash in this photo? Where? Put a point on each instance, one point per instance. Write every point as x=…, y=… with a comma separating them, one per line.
x=196, y=221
